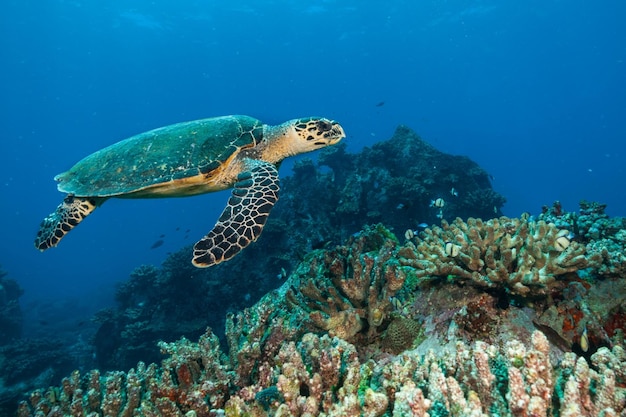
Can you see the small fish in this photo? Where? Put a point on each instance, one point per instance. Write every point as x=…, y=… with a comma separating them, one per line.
x=422, y=225
x=584, y=340
x=400, y=206
x=562, y=240
x=451, y=249
x=157, y=244
x=162, y=236
x=438, y=202
x=380, y=104
x=440, y=214
x=282, y=274
x=454, y=192
x=178, y=228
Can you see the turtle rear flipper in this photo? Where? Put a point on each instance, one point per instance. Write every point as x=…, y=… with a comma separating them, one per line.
x=242, y=221
x=67, y=215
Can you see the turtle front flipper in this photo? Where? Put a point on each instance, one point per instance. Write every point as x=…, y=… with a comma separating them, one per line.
x=242, y=221
x=67, y=215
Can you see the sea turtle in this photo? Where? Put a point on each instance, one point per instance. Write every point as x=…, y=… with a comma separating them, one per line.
x=192, y=158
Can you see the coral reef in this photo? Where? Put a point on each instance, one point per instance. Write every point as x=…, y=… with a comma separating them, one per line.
x=161, y=304
x=603, y=235
x=441, y=347
x=324, y=376
x=507, y=317
x=347, y=291
x=522, y=257
x=30, y=363
x=393, y=181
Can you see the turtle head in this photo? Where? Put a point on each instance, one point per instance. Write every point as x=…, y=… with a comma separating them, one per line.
x=317, y=132
x=299, y=136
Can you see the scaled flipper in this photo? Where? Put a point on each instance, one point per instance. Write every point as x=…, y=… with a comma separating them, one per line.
x=67, y=215
x=242, y=221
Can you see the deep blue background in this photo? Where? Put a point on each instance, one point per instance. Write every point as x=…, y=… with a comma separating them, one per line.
x=534, y=91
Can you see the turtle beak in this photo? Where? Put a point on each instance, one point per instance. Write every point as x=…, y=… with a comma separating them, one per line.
x=333, y=132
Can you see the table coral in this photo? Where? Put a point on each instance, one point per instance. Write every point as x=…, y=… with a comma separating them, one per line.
x=521, y=256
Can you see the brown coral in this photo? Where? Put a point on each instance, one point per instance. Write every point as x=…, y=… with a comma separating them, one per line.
x=192, y=378
x=400, y=334
x=347, y=290
x=522, y=256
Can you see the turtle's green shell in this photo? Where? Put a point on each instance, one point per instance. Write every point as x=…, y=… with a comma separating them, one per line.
x=171, y=153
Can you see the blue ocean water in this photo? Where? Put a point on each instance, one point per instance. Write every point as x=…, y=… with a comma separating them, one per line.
x=533, y=91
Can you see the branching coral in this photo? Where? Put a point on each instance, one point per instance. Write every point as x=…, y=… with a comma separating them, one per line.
x=524, y=257
x=593, y=391
x=316, y=376
x=347, y=290
x=194, y=378
x=612, y=254
x=324, y=376
x=255, y=335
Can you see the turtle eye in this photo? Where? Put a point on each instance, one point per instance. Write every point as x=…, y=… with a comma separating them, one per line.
x=324, y=125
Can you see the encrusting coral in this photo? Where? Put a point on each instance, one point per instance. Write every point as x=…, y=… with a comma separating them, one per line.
x=521, y=256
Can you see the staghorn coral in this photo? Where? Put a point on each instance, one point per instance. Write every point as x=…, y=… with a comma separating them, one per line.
x=315, y=376
x=346, y=291
x=518, y=255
